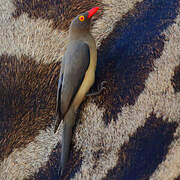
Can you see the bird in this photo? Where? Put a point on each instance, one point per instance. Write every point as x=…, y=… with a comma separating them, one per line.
x=77, y=75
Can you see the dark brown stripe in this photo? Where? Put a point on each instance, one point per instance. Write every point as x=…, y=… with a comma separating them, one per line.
x=60, y=11
x=176, y=79
x=126, y=56
x=97, y=155
x=146, y=149
x=178, y=178
x=27, y=101
x=50, y=171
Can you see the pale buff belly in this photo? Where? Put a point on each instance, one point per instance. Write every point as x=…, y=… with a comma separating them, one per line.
x=85, y=86
x=89, y=77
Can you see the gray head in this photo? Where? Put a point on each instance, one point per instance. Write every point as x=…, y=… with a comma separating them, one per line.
x=81, y=23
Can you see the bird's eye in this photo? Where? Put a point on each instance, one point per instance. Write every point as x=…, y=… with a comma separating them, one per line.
x=81, y=18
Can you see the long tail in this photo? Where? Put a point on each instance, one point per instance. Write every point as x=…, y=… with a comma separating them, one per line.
x=69, y=121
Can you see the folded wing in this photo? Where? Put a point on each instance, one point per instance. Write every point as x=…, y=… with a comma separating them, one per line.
x=74, y=66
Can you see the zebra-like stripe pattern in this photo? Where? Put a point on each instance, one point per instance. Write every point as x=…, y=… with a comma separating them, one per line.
x=130, y=131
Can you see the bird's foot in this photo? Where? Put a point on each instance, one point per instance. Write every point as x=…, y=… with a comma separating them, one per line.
x=100, y=89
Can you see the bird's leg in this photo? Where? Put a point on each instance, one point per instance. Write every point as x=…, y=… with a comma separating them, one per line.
x=100, y=89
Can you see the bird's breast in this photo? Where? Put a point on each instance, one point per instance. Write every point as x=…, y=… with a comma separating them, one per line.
x=89, y=77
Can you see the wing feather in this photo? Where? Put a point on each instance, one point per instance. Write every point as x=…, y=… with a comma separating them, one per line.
x=77, y=59
x=74, y=66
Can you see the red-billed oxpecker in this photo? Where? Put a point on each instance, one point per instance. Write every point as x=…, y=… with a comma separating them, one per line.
x=77, y=75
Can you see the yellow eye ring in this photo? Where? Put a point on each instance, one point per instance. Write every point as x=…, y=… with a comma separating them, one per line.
x=81, y=18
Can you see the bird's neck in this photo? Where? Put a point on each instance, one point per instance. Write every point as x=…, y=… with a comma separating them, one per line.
x=76, y=35
x=87, y=38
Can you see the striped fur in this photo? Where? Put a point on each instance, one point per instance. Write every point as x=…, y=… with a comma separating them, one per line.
x=130, y=131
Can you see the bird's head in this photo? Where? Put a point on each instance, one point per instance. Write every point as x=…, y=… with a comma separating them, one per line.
x=81, y=23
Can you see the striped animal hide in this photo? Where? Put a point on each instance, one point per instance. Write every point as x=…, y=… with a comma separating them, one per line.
x=129, y=132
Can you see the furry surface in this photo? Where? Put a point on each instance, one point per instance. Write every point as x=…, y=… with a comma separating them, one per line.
x=130, y=131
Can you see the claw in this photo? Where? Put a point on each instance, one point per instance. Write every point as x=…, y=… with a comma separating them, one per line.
x=100, y=89
x=102, y=86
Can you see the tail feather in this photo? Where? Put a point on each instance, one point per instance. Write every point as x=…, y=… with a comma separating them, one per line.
x=69, y=122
